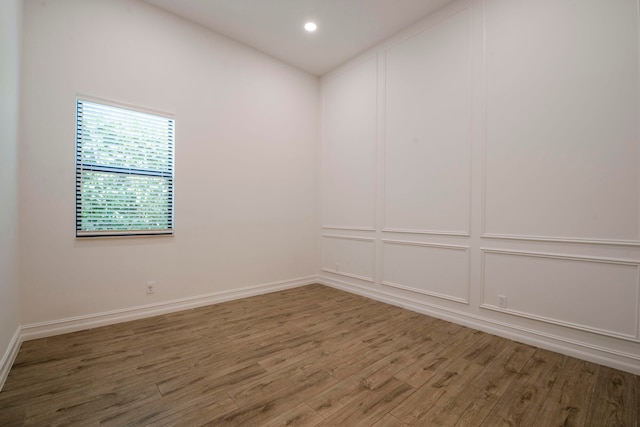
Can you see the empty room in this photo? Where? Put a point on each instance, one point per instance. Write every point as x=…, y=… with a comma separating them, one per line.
x=320, y=212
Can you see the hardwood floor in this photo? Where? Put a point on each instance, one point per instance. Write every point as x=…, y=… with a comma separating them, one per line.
x=311, y=356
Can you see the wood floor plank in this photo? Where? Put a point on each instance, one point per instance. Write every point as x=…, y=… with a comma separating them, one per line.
x=336, y=397
x=306, y=356
x=290, y=356
x=522, y=400
x=569, y=398
x=279, y=383
x=301, y=415
x=168, y=411
x=386, y=367
x=371, y=405
x=451, y=378
x=485, y=350
x=34, y=394
x=615, y=399
x=101, y=400
x=260, y=411
x=343, y=366
x=201, y=382
x=13, y=416
x=449, y=346
x=390, y=421
x=478, y=399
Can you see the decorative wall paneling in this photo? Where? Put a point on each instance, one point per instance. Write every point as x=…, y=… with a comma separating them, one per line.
x=593, y=294
x=569, y=87
x=513, y=124
x=427, y=159
x=349, y=256
x=348, y=152
x=436, y=270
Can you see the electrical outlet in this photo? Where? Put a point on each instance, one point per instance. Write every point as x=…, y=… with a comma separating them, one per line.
x=150, y=286
x=502, y=301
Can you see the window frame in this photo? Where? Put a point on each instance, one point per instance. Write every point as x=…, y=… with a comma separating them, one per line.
x=83, y=166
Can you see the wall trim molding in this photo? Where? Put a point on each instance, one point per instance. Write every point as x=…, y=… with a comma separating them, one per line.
x=616, y=359
x=550, y=239
x=357, y=238
x=353, y=276
x=423, y=292
x=71, y=324
x=464, y=7
x=427, y=244
x=563, y=257
x=347, y=227
x=484, y=144
x=431, y=232
x=558, y=322
x=327, y=80
x=462, y=248
x=10, y=356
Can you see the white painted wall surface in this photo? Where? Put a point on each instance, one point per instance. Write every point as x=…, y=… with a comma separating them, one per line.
x=562, y=78
x=246, y=160
x=427, y=136
x=507, y=165
x=349, y=149
x=10, y=21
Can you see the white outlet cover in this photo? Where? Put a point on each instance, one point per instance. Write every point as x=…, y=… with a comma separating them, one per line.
x=502, y=301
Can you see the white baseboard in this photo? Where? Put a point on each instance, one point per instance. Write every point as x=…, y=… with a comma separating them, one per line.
x=616, y=359
x=9, y=356
x=593, y=353
x=72, y=324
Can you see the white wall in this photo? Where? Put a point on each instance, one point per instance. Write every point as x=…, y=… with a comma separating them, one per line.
x=246, y=162
x=10, y=19
x=494, y=147
x=478, y=153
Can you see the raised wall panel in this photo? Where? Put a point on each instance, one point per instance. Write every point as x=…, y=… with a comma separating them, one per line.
x=427, y=136
x=437, y=270
x=348, y=256
x=349, y=148
x=562, y=119
x=593, y=294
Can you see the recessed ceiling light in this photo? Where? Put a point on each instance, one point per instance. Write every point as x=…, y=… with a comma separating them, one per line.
x=310, y=26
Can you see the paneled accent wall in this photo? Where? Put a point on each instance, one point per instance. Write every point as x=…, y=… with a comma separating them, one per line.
x=483, y=166
x=562, y=119
x=427, y=159
x=348, y=256
x=438, y=270
x=593, y=294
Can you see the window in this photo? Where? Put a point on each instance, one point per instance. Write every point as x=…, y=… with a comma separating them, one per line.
x=124, y=171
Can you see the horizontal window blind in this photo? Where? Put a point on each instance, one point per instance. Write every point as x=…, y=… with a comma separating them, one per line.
x=124, y=171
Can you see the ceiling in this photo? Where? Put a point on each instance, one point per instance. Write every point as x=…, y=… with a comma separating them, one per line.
x=345, y=27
